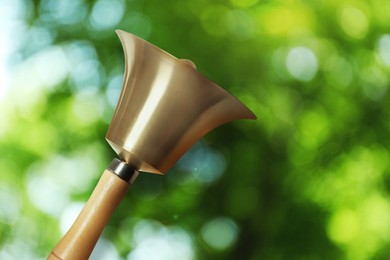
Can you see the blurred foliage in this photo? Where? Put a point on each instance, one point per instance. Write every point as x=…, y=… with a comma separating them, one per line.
x=309, y=179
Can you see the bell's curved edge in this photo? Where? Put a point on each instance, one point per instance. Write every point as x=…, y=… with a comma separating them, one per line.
x=129, y=43
x=246, y=113
x=123, y=35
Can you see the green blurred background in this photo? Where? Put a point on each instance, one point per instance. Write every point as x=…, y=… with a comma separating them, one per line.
x=310, y=179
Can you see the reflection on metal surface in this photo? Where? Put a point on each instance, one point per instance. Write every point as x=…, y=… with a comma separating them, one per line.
x=150, y=106
x=165, y=106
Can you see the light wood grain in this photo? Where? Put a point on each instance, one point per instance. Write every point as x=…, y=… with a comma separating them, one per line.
x=81, y=238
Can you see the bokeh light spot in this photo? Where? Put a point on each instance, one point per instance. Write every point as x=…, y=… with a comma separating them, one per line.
x=376, y=214
x=104, y=249
x=69, y=215
x=78, y=52
x=362, y=228
x=50, y=183
x=205, y=164
x=51, y=66
x=88, y=107
x=212, y=19
x=40, y=37
x=301, y=63
x=313, y=128
x=375, y=82
x=10, y=205
x=280, y=19
x=220, y=233
x=64, y=11
x=41, y=139
x=114, y=89
x=43, y=70
x=87, y=75
x=138, y=24
x=18, y=249
x=278, y=61
x=74, y=173
x=354, y=22
x=384, y=48
x=155, y=241
x=339, y=72
x=106, y=14
x=47, y=195
x=344, y=226
x=240, y=24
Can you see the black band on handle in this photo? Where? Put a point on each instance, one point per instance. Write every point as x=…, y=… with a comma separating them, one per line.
x=125, y=171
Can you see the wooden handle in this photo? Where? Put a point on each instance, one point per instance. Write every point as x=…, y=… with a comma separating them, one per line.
x=81, y=238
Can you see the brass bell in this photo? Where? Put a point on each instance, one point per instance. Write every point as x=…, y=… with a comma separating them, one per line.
x=165, y=106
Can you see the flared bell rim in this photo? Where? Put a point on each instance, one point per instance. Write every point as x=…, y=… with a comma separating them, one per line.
x=185, y=63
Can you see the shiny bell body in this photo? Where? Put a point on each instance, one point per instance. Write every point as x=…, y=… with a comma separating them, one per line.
x=165, y=106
